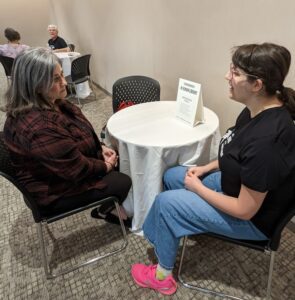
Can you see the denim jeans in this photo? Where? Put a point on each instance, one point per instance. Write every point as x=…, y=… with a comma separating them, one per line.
x=178, y=212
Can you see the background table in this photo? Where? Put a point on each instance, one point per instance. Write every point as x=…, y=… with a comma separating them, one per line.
x=66, y=60
x=82, y=89
x=150, y=139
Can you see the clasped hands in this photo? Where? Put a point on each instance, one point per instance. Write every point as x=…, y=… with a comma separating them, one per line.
x=110, y=158
x=191, y=180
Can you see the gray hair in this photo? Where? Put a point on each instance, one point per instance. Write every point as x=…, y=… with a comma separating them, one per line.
x=31, y=80
x=52, y=26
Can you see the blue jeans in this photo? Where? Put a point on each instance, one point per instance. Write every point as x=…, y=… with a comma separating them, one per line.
x=178, y=212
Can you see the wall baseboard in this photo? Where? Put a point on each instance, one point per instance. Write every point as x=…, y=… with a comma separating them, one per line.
x=101, y=88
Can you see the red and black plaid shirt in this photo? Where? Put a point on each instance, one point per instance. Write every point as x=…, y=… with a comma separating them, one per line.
x=55, y=154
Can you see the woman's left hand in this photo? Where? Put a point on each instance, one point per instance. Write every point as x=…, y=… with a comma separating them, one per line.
x=108, y=152
x=192, y=182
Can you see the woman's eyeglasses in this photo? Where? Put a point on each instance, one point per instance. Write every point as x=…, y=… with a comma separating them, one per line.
x=234, y=71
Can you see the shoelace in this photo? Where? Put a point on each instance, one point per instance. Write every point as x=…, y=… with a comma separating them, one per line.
x=149, y=273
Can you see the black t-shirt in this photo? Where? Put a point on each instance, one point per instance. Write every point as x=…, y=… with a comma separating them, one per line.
x=259, y=152
x=58, y=43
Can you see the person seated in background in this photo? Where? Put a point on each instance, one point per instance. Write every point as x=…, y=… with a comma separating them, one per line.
x=55, y=151
x=56, y=43
x=13, y=46
x=244, y=193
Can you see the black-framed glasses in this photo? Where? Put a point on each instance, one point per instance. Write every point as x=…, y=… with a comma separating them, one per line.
x=234, y=71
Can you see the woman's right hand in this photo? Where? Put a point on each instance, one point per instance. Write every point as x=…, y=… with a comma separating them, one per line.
x=197, y=171
x=111, y=161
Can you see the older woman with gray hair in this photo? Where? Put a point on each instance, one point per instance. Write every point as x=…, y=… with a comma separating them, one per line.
x=54, y=148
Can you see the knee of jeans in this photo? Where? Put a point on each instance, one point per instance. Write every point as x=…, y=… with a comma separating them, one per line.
x=163, y=201
x=171, y=175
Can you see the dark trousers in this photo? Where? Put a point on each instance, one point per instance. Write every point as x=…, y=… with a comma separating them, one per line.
x=118, y=184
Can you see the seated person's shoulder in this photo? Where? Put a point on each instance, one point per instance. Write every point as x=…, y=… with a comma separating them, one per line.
x=62, y=42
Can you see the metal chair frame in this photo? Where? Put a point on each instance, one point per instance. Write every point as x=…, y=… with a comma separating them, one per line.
x=7, y=171
x=48, y=272
x=269, y=247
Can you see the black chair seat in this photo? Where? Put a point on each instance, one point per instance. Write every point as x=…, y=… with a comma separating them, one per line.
x=50, y=216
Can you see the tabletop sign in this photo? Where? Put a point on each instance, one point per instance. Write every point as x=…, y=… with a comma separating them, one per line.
x=189, y=102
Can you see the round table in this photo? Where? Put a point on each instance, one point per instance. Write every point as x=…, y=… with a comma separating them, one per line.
x=150, y=139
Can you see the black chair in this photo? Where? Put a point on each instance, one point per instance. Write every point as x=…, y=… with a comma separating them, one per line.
x=71, y=47
x=137, y=89
x=7, y=63
x=269, y=247
x=80, y=72
x=42, y=219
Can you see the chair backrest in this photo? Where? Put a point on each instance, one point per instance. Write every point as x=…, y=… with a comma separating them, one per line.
x=275, y=239
x=72, y=47
x=138, y=89
x=80, y=68
x=7, y=171
x=7, y=63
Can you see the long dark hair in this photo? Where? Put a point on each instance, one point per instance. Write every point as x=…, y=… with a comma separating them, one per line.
x=270, y=63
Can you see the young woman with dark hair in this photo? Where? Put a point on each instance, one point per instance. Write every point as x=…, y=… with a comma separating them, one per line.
x=243, y=193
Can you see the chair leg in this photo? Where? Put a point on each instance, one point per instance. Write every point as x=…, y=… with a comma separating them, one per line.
x=271, y=264
x=50, y=275
x=43, y=251
x=70, y=88
x=92, y=87
x=77, y=95
x=212, y=292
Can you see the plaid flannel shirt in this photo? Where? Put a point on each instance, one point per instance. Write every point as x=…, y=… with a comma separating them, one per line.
x=55, y=154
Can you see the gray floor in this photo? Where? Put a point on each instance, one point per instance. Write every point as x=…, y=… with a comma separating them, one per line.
x=210, y=262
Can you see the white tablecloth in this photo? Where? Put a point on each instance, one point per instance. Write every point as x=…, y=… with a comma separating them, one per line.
x=66, y=60
x=150, y=139
x=82, y=89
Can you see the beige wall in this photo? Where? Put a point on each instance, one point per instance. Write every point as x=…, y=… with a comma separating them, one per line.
x=30, y=18
x=164, y=39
